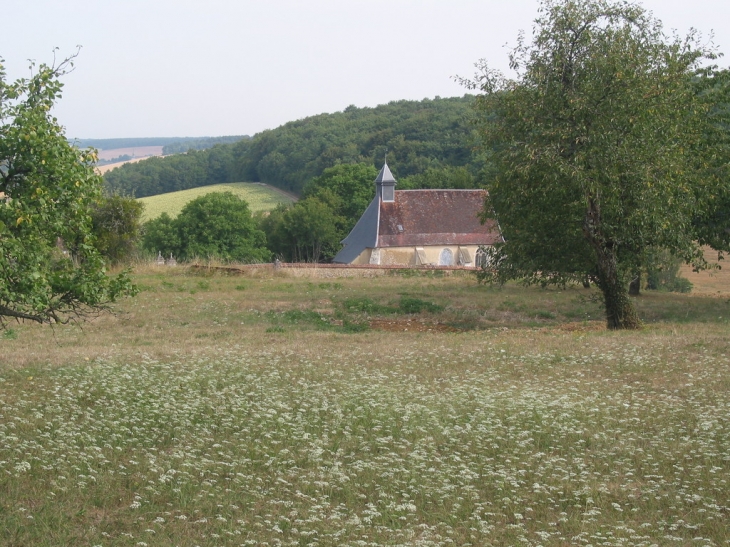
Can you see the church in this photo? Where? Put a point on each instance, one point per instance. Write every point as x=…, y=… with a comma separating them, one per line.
x=420, y=228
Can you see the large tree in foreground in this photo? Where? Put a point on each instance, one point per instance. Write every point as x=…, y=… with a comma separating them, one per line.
x=50, y=270
x=598, y=146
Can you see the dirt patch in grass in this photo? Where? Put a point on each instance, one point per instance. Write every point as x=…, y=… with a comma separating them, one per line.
x=132, y=151
x=410, y=325
x=584, y=326
x=715, y=282
x=109, y=166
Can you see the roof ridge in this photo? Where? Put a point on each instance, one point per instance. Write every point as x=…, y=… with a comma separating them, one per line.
x=442, y=190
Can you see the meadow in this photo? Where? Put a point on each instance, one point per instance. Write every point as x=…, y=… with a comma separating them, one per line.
x=414, y=409
x=260, y=197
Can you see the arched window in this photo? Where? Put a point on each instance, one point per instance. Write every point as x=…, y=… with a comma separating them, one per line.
x=446, y=258
x=481, y=259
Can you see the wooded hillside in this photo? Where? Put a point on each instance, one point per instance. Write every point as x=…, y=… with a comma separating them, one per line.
x=417, y=135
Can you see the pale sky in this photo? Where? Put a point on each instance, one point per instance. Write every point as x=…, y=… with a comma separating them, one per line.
x=174, y=68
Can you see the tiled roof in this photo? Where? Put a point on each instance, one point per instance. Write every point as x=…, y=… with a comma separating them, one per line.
x=435, y=217
x=417, y=218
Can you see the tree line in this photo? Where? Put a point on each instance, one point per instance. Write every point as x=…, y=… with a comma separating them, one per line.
x=202, y=143
x=309, y=230
x=418, y=136
x=159, y=175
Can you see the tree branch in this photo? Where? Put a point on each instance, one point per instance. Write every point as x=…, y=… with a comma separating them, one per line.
x=9, y=312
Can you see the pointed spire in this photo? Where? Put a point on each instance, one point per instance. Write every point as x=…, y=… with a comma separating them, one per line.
x=385, y=175
x=385, y=184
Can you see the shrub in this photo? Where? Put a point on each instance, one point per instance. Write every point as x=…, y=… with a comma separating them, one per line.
x=217, y=225
x=663, y=273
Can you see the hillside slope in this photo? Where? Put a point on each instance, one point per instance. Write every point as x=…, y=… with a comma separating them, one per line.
x=417, y=135
x=259, y=197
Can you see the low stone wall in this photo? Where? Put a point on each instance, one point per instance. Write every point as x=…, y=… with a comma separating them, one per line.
x=304, y=269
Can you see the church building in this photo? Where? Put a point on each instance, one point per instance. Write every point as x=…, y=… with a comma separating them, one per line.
x=420, y=228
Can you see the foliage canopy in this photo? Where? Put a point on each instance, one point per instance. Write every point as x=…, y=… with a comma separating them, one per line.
x=216, y=225
x=50, y=270
x=599, y=147
x=418, y=135
x=311, y=230
x=117, y=227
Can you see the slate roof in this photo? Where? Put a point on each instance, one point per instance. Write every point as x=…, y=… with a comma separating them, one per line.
x=385, y=175
x=362, y=236
x=420, y=218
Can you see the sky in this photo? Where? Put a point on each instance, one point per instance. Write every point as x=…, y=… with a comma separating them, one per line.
x=176, y=68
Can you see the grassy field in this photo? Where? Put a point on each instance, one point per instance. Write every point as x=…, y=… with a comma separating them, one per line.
x=260, y=197
x=415, y=410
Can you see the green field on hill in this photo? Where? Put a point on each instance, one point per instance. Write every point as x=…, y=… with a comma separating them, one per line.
x=260, y=197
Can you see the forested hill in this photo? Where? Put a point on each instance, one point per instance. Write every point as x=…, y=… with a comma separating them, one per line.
x=418, y=135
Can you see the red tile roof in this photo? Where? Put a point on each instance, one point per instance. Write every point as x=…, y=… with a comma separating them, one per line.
x=435, y=217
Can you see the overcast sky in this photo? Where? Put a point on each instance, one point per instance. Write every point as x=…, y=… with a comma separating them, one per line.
x=163, y=68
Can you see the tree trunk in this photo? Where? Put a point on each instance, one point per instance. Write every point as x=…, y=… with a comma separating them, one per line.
x=620, y=311
x=635, y=285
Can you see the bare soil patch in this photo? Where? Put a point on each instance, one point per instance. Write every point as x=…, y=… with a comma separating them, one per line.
x=409, y=325
x=134, y=152
x=582, y=326
x=109, y=166
x=714, y=282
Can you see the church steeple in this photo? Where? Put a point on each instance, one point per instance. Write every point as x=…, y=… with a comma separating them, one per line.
x=385, y=184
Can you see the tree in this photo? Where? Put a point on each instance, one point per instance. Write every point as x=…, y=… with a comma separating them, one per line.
x=312, y=227
x=416, y=134
x=272, y=224
x=308, y=231
x=160, y=236
x=597, y=148
x=311, y=230
x=215, y=225
x=50, y=270
x=713, y=225
x=351, y=188
x=220, y=225
x=116, y=226
x=440, y=178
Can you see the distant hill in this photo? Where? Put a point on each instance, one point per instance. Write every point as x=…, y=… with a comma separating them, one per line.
x=202, y=143
x=116, y=155
x=259, y=197
x=418, y=135
x=176, y=144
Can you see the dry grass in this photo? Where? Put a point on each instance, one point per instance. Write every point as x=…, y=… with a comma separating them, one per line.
x=108, y=167
x=240, y=410
x=183, y=313
x=714, y=282
x=134, y=152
